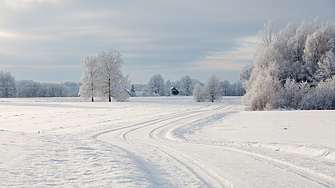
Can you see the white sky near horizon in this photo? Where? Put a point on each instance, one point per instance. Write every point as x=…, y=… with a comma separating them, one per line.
x=45, y=40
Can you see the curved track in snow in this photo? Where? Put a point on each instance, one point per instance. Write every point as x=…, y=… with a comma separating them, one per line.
x=170, y=160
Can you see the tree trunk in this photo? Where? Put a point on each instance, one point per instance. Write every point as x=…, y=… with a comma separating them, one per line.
x=109, y=90
x=92, y=99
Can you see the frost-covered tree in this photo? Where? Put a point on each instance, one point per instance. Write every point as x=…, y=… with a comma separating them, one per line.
x=198, y=93
x=73, y=88
x=236, y=89
x=53, y=90
x=317, y=45
x=295, y=57
x=186, y=87
x=27, y=88
x=212, y=89
x=7, y=85
x=90, y=78
x=326, y=67
x=177, y=85
x=225, y=86
x=156, y=85
x=168, y=88
x=245, y=74
x=103, y=77
x=112, y=83
x=259, y=95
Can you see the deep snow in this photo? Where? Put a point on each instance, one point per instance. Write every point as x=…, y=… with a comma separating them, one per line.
x=162, y=142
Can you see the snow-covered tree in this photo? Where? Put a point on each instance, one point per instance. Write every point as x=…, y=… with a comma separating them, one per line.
x=90, y=79
x=198, y=93
x=225, y=86
x=156, y=85
x=259, y=95
x=212, y=89
x=27, y=88
x=326, y=67
x=177, y=85
x=103, y=77
x=73, y=88
x=303, y=55
x=112, y=83
x=168, y=88
x=53, y=90
x=245, y=74
x=317, y=45
x=7, y=85
x=186, y=87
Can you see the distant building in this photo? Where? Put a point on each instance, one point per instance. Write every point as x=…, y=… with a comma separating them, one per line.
x=174, y=91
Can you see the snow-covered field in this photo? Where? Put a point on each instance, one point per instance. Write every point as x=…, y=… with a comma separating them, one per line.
x=162, y=142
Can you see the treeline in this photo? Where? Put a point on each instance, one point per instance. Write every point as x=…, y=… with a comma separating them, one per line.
x=29, y=88
x=293, y=68
x=10, y=88
x=185, y=86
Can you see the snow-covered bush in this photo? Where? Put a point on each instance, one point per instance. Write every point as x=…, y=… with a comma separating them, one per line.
x=321, y=97
x=288, y=64
x=290, y=95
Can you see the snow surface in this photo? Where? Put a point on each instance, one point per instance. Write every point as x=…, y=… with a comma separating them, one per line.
x=162, y=142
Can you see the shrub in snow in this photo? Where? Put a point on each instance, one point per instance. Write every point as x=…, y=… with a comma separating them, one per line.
x=290, y=95
x=322, y=97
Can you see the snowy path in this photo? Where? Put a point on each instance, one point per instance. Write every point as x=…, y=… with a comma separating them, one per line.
x=163, y=142
x=213, y=166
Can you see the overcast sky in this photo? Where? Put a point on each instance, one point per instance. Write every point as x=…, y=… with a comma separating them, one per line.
x=45, y=40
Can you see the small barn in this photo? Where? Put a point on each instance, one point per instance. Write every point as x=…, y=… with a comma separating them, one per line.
x=174, y=91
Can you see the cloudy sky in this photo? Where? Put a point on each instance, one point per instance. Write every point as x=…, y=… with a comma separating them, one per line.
x=45, y=40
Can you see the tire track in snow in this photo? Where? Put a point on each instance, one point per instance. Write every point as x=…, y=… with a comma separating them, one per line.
x=301, y=171
x=195, y=168
x=205, y=174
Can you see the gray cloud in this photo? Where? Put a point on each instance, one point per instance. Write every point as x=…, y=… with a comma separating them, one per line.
x=154, y=36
